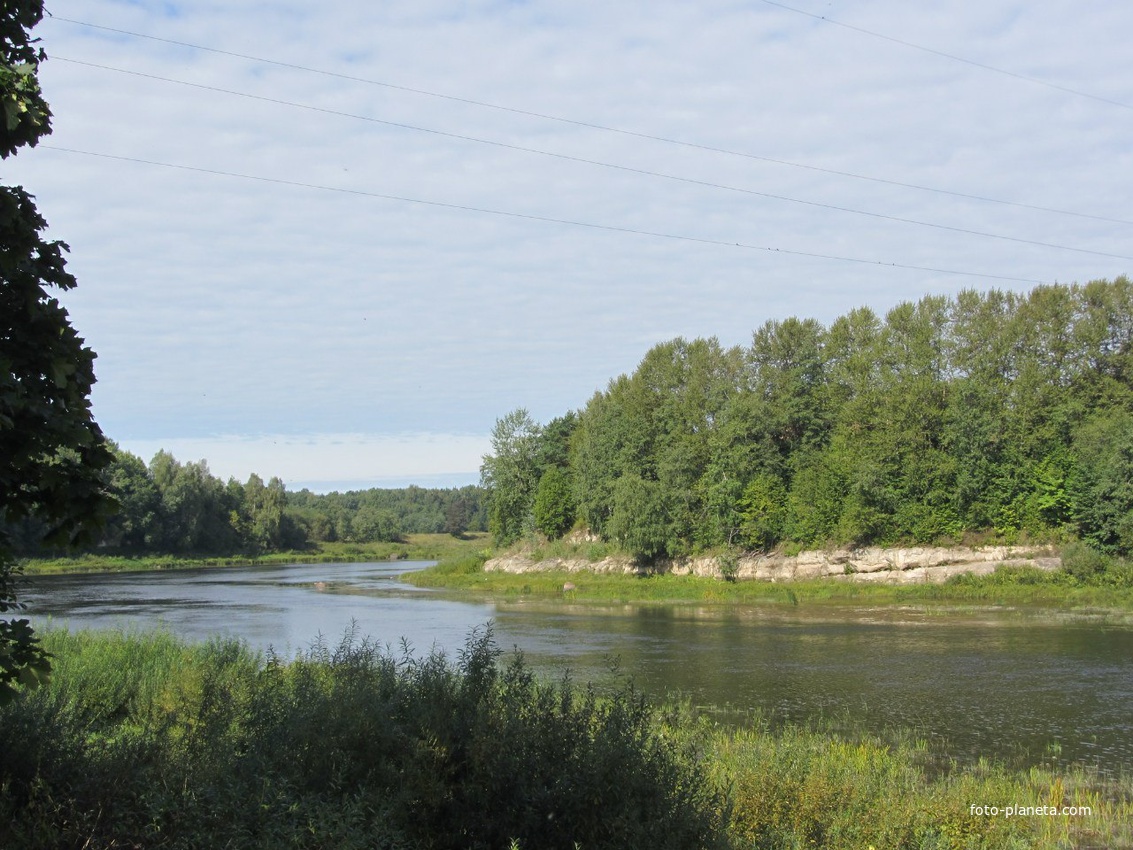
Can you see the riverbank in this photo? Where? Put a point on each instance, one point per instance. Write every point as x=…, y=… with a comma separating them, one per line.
x=874, y=564
x=148, y=741
x=1077, y=588
x=414, y=547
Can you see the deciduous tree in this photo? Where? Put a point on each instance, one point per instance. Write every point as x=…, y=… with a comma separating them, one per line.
x=510, y=475
x=52, y=452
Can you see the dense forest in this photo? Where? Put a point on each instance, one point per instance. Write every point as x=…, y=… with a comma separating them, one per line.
x=985, y=416
x=169, y=507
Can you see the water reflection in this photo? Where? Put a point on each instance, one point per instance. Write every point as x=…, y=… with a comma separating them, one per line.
x=282, y=607
x=1004, y=683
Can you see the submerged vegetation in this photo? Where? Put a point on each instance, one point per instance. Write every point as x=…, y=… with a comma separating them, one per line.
x=144, y=741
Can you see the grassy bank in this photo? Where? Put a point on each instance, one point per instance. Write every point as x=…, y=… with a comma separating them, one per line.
x=415, y=547
x=145, y=741
x=1109, y=588
x=1089, y=581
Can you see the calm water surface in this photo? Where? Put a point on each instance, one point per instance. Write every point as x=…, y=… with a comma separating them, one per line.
x=1020, y=685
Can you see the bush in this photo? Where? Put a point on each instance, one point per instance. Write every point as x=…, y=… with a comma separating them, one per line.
x=1084, y=563
x=143, y=741
x=1088, y=566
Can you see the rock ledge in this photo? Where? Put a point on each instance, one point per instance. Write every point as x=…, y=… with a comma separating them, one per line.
x=923, y=564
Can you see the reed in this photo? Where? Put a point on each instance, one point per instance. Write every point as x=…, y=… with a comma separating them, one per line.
x=145, y=741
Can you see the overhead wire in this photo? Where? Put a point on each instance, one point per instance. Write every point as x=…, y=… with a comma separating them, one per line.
x=601, y=127
x=541, y=218
x=599, y=163
x=952, y=56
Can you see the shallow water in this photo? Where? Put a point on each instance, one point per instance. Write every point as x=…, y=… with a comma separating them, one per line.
x=1025, y=686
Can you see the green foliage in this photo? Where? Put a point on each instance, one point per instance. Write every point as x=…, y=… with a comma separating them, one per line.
x=458, y=515
x=463, y=565
x=23, y=660
x=181, y=509
x=554, y=441
x=1084, y=563
x=977, y=414
x=815, y=503
x=510, y=475
x=762, y=509
x=1111, y=589
x=51, y=449
x=808, y=787
x=640, y=520
x=144, y=741
x=554, y=503
x=27, y=116
x=410, y=510
x=1091, y=568
x=729, y=562
x=1102, y=486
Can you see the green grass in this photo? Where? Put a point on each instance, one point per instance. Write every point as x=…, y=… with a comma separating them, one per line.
x=804, y=787
x=587, y=550
x=146, y=741
x=1007, y=586
x=415, y=547
x=143, y=741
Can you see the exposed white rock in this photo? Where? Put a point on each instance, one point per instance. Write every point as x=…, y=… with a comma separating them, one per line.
x=873, y=564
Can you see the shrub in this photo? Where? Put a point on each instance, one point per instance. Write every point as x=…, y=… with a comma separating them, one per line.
x=1083, y=562
x=144, y=741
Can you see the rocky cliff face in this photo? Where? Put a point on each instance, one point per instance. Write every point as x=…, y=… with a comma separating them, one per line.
x=900, y=566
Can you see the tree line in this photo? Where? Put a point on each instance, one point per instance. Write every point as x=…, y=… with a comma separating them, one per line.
x=994, y=415
x=169, y=507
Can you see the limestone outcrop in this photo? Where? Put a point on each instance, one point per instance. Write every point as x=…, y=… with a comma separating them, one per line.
x=932, y=564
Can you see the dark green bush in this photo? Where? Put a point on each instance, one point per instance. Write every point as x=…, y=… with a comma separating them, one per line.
x=1087, y=566
x=147, y=742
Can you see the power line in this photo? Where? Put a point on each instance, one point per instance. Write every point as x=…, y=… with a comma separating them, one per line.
x=613, y=166
x=951, y=56
x=601, y=127
x=546, y=219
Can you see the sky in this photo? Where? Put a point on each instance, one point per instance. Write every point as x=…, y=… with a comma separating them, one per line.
x=335, y=242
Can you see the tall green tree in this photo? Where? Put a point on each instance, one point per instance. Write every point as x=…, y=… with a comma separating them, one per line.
x=553, y=509
x=948, y=416
x=1102, y=484
x=52, y=452
x=510, y=475
x=135, y=527
x=198, y=511
x=265, y=507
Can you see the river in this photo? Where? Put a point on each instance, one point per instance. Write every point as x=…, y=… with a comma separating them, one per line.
x=1021, y=685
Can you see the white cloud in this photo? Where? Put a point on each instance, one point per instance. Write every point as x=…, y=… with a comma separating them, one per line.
x=332, y=461
x=227, y=306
